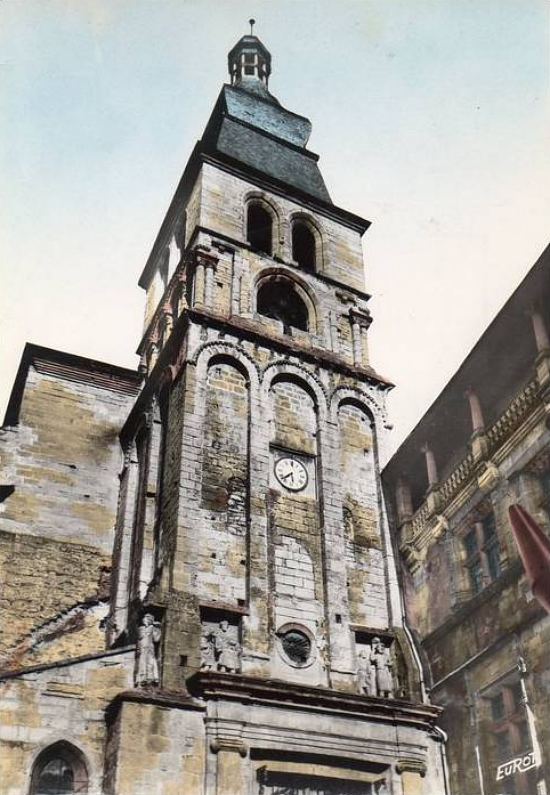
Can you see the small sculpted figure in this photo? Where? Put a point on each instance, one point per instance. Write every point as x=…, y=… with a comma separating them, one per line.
x=148, y=637
x=380, y=659
x=365, y=672
x=227, y=649
x=208, y=654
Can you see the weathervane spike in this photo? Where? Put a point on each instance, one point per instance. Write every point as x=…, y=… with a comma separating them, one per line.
x=251, y=22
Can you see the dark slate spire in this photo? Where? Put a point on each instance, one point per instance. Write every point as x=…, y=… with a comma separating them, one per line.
x=249, y=126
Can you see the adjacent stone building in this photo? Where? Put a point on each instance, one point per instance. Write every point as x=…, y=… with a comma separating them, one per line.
x=483, y=445
x=199, y=591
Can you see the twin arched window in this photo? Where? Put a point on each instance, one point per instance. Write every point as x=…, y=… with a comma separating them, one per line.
x=59, y=770
x=259, y=231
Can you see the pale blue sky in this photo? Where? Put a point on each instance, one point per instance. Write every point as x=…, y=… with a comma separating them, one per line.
x=431, y=118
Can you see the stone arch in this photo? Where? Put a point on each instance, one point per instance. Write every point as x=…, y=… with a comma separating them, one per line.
x=60, y=764
x=270, y=207
x=293, y=413
x=222, y=410
x=300, y=218
x=358, y=455
x=283, y=369
x=362, y=399
x=301, y=288
x=238, y=357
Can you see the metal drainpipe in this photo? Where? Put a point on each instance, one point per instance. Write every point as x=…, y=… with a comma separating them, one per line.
x=442, y=750
x=475, y=727
x=522, y=668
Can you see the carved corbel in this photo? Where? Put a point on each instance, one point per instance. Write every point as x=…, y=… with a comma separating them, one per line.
x=488, y=476
x=440, y=526
x=360, y=316
x=411, y=766
x=413, y=557
x=230, y=744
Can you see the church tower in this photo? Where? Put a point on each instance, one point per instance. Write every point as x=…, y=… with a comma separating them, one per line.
x=253, y=564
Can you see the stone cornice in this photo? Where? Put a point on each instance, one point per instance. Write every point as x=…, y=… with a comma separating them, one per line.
x=249, y=328
x=211, y=685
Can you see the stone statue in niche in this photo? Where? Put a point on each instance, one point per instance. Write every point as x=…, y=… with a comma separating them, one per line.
x=380, y=659
x=349, y=525
x=148, y=638
x=365, y=672
x=227, y=648
x=374, y=669
x=208, y=655
x=220, y=647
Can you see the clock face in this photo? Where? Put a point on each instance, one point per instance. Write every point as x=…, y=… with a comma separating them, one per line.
x=291, y=474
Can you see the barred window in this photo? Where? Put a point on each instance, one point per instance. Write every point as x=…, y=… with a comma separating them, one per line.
x=482, y=549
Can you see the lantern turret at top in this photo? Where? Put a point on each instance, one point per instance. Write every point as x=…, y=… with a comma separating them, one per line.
x=249, y=63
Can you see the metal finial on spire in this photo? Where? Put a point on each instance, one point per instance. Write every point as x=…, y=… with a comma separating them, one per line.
x=251, y=22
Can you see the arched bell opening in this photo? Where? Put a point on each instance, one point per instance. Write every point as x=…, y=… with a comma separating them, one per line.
x=304, y=246
x=259, y=228
x=278, y=298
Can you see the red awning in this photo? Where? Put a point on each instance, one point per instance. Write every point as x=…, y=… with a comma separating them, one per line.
x=534, y=549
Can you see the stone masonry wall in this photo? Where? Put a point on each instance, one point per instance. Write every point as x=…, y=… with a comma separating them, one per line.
x=223, y=209
x=66, y=703
x=63, y=458
x=53, y=598
x=272, y=556
x=222, y=566
x=57, y=527
x=365, y=562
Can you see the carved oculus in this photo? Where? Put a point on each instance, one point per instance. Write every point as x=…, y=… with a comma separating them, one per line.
x=297, y=646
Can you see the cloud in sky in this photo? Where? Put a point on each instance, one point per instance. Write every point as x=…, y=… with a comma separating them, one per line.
x=430, y=116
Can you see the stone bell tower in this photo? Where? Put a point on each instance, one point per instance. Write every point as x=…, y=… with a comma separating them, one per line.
x=253, y=563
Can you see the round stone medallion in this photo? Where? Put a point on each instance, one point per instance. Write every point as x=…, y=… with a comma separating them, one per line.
x=297, y=646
